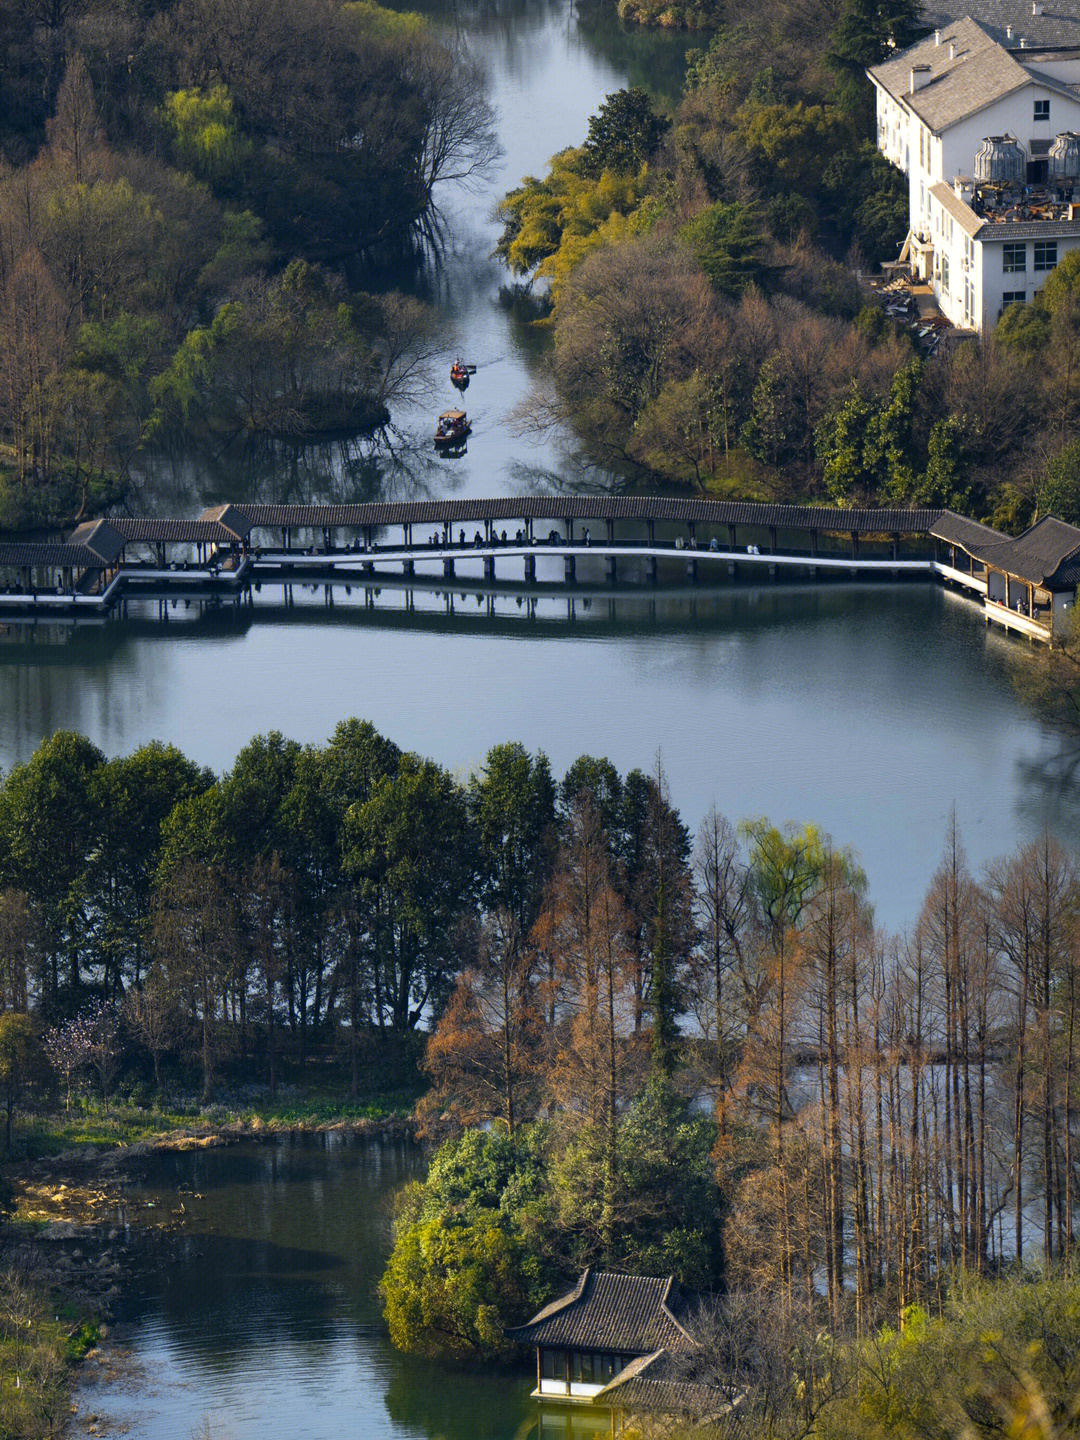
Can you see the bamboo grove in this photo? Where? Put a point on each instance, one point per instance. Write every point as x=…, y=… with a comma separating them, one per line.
x=880, y=1110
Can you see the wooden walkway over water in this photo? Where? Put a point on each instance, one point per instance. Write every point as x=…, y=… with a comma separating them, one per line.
x=529, y=541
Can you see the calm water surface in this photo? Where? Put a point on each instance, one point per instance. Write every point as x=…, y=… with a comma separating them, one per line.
x=262, y=1317
x=870, y=710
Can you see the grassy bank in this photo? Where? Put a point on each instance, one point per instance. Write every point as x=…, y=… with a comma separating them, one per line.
x=42, y=1338
x=88, y=1125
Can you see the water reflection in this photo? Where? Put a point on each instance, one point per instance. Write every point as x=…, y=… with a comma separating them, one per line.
x=263, y=1316
x=870, y=709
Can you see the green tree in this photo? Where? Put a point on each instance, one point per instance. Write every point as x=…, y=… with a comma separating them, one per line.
x=623, y=134
x=1023, y=329
x=866, y=32
x=412, y=849
x=133, y=796
x=49, y=828
x=23, y=1066
x=465, y=1262
x=1058, y=492
x=729, y=243
x=512, y=801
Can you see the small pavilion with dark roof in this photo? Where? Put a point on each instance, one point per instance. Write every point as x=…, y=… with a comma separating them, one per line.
x=592, y=1334
x=1031, y=580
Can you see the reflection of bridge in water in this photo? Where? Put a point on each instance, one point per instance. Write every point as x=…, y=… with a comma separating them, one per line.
x=533, y=542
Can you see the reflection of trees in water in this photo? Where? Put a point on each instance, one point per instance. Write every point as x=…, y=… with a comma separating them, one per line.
x=392, y=464
x=459, y=1403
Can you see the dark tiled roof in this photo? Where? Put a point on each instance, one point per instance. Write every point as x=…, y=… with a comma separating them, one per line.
x=630, y=1314
x=1057, y=27
x=17, y=553
x=1046, y=554
x=1041, y=552
x=232, y=518
x=100, y=536
x=980, y=72
x=959, y=530
x=192, y=532
x=863, y=521
x=652, y=1385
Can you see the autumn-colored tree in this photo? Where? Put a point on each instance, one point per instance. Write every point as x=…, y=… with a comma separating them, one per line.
x=484, y=1055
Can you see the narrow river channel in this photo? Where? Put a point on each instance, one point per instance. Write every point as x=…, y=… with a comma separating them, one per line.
x=260, y=1319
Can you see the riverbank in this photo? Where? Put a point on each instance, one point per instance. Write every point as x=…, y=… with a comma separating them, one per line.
x=65, y=1148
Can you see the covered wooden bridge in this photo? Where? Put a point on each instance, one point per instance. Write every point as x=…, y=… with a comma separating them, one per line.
x=1027, y=583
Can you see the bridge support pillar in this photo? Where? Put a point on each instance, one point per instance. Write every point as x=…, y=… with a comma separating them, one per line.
x=731, y=569
x=489, y=567
x=691, y=570
x=448, y=567
x=570, y=568
x=530, y=568
x=408, y=568
x=772, y=572
x=612, y=568
x=652, y=569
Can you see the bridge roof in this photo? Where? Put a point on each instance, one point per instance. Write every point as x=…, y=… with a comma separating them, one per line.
x=19, y=553
x=862, y=521
x=191, y=532
x=100, y=536
x=1046, y=554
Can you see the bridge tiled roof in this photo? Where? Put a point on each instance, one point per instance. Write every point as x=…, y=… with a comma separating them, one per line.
x=192, y=532
x=862, y=521
x=33, y=553
x=1046, y=554
x=100, y=536
x=628, y=1314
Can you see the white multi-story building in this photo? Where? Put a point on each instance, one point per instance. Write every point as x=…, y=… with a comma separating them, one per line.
x=981, y=118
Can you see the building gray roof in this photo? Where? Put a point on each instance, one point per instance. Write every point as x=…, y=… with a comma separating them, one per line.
x=1046, y=554
x=982, y=72
x=627, y=1314
x=653, y=1385
x=100, y=536
x=963, y=214
x=1004, y=231
x=1057, y=28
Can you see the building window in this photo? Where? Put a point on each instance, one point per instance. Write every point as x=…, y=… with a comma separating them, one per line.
x=1042, y=109
x=1013, y=297
x=1045, y=254
x=945, y=273
x=1014, y=258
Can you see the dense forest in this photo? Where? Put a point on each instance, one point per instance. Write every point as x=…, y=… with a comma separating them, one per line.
x=700, y=275
x=191, y=194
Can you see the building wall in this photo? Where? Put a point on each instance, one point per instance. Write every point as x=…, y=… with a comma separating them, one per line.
x=996, y=283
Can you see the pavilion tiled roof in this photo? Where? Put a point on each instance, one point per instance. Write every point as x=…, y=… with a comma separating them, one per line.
x=654, y=1385
x=100, y=536
x=860, y=520
x=1046, y=554
x=628, y=1314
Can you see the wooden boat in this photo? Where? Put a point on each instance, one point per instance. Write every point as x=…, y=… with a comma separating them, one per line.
x=453, y=429
x=459, y=374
